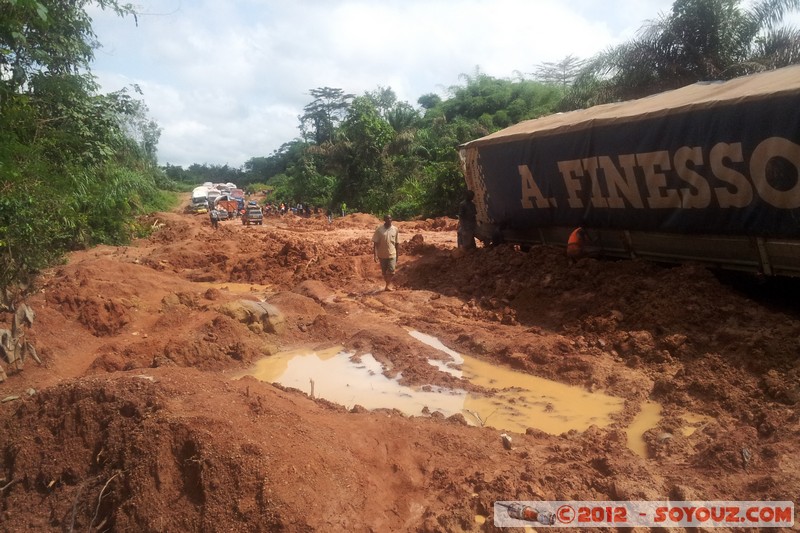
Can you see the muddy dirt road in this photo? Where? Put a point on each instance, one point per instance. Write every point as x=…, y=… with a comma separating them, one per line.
x=258, y=379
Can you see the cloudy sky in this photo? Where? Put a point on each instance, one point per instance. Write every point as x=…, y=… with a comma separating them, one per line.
x=227, y=79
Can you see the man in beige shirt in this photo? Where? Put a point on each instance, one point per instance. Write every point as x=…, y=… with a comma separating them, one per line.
x=385, y=246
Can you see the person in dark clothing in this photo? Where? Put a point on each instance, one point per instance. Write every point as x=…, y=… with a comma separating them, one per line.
x=497, y=234
x=467, y=222
x=214, y=218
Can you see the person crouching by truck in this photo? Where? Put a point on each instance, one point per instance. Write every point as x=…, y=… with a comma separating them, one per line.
x=579, y=245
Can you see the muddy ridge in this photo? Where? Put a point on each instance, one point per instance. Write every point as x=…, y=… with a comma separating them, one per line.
x=138, y=417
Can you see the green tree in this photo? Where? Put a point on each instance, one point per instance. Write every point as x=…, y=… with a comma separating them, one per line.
x=137, y=126
x=366, y=180
x=498, y=103
x=46, y=37
x=263, y=169
x=384, y=155
x=384, y=99
x=561, y=73
x=402, y=117
x=75, y=166
x=429, y=101
x=323, y=115
x=698, y=40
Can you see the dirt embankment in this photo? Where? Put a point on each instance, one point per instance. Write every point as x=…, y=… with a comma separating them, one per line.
x=133, y=422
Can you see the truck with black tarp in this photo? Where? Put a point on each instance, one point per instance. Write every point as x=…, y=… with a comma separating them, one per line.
x=709, y=172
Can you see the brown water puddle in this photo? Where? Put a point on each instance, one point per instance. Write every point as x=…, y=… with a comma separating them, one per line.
x=518, y=401
x=649, y=416
x=341, y=380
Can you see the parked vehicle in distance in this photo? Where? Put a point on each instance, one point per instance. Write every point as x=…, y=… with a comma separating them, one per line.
x=225, y=204
x=253, y=215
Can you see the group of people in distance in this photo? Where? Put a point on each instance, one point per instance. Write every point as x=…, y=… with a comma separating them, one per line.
x=385, y=238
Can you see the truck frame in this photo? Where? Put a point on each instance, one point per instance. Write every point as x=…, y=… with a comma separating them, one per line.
x=706, y=173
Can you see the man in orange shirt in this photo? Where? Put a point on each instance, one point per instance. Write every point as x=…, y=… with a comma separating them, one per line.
x=580, y=245
x=576, y=244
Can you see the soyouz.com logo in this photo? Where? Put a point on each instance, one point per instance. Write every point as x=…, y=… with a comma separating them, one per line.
x=644, y=514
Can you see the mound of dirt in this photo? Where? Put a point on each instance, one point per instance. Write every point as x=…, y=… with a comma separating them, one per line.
x=138, y=417
x=357, y=220
x=431, y=224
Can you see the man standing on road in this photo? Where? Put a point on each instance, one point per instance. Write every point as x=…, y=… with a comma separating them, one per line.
x=214, y=218
x=467, y=222
x=385, y=247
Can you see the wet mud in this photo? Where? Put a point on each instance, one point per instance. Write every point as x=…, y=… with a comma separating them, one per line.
x=144, y=414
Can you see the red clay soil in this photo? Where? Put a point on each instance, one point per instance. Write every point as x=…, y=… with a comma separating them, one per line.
x=133, y=421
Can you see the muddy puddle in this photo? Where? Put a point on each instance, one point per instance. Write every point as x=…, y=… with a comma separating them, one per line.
x=333, y=375
x=648, y=417
x=517, y=401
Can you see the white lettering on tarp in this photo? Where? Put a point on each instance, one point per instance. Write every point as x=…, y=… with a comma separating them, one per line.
x=571, y=172
x=699, y=195
x=614, y=182
x=624, y=183
x=762, y=155
x=742, y=193
x=654, y=165
x=531, y=190
x=590, y=166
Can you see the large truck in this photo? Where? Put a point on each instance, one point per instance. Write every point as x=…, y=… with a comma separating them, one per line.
x=708, y=173
x=199, y=200
x=227, y=203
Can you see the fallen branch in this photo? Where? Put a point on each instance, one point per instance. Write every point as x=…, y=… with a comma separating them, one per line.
x=477, y=416
x=100, y=500
x=75, y=507
x=490, y=416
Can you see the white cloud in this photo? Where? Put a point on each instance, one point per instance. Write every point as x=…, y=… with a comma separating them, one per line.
x=226, y=81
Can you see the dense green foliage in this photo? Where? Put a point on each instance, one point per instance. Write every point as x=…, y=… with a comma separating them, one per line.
x=76, y=166
x=187, y=179
x=698, y=40
x=377, y=154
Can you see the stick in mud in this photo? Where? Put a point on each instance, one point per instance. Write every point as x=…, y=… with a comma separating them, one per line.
x=99, y=501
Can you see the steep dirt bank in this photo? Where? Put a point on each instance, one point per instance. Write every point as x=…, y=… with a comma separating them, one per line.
x=134, y=422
